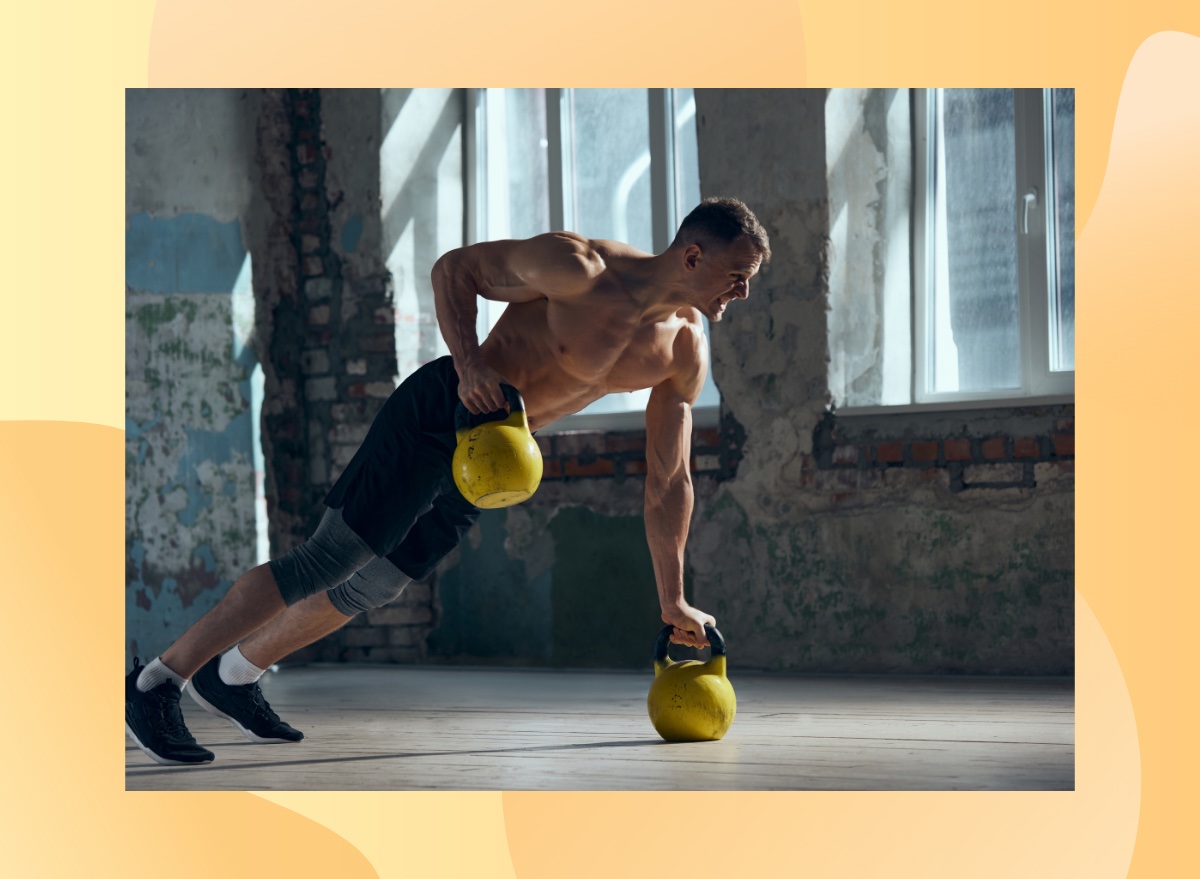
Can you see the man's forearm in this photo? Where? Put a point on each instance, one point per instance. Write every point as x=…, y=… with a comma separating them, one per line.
x=454, y=297
x=668, y=515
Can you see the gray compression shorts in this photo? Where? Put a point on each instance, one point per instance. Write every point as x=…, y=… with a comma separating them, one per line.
x=338, y=561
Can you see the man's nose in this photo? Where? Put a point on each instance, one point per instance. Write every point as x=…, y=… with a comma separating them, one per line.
x=742, y=290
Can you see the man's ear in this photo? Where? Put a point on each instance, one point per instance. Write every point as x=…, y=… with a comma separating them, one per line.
x=692, y=254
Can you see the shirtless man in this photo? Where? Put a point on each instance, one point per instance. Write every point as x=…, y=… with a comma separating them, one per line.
x=585, y=318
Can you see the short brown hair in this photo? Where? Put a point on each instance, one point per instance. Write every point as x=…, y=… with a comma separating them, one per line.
x=723, y=220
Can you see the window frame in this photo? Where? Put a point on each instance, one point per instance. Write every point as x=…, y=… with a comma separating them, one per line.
x=481, y=110
x=1033, y=224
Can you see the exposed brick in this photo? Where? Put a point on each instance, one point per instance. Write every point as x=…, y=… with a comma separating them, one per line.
x=552, y=469
x=306, y=154
x=314, y=362
x=320, y=389
x=635, y=467
x=706, y=437
x=349, y=433
x=1065, y=425
x=368, y=636
x=358, y=389
x=318, y=314
x=633, y=441
x=308, y=179
x=580, y=442
x=957, y=449
x=347, y=411
x=573, y=467
x=358, y=366
x=994, y=449
x=406, y=636
x=1027, y=447
x=376, y=342
x=318, y=470
x=309, y=243
x=845, y=456
x=889, y=452
x=706, y=463
x=1064, y=444
x=312, y=266
x=340, y=456
x=384, y=315
x=994, y=474
x=310, y=202
x=382, y=390
x=400, y=615
x=924, y=451
x=318, y=288
x=417, y=593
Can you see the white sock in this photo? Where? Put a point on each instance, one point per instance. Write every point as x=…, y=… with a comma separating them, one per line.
x=155, y=673
x=238, y=670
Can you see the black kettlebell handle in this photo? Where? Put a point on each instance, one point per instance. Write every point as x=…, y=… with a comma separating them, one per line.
x=715, y=641
x=464, y=418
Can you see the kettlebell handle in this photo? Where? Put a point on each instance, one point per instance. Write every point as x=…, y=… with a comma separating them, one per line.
x=716, y=642
x=465, y=419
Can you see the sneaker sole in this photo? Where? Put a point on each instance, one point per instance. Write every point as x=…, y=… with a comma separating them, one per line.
x=216, y=712
x=163, y=761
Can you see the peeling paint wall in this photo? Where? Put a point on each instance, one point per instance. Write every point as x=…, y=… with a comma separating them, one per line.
x=190, y=516
x=867, y=569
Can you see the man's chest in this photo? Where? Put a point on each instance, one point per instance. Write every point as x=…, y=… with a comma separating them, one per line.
x=605, y=346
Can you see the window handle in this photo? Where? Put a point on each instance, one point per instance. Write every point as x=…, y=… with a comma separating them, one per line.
x=1030, y=200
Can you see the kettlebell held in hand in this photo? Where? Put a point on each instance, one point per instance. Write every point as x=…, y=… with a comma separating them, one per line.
x=496, y=463
x=691, y=701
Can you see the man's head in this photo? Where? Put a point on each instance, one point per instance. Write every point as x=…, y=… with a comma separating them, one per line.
x=722, y=244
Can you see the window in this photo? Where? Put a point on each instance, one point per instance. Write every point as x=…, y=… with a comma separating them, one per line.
x=606, y=163
x=993, y=256
x=952, y=233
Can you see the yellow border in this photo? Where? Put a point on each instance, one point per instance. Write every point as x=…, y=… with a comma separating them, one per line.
x=61, y=412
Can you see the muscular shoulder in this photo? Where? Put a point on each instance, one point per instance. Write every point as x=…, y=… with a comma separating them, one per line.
x=558, y=262
x=689, y=355
x=550, y=266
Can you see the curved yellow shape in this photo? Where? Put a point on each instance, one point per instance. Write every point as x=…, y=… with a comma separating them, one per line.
x=1088, y=832
x=65, y=810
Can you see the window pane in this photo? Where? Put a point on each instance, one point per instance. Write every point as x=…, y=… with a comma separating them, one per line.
x=974, y=316
x=1062, y=280
x=528, y=149
x=611, y=129
x=687, y=161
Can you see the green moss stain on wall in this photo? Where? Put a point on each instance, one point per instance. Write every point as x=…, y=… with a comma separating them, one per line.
x=606, y=611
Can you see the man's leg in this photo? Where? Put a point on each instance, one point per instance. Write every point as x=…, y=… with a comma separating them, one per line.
x=253, y=601
x=152, y=716
x=227, y=686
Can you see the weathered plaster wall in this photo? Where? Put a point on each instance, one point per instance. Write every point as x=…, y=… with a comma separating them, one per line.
x=892, y=564
x=189, y=454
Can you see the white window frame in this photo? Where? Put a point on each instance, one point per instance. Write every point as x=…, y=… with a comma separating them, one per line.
x=1035, y=261
x=483, y=114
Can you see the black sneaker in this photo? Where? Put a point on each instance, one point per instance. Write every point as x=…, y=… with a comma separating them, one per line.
x=155, y=723
x=242, y=705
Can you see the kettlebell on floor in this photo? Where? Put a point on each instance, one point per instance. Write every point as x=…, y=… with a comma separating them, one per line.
x=691, y=701
x=497, y=462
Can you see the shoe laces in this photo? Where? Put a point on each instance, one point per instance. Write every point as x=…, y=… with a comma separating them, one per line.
x=253, y=694
x=166, y=697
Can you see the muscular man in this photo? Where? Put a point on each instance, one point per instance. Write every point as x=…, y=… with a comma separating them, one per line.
x=585, y=318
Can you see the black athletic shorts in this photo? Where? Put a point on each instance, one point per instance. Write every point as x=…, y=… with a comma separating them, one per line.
x=397, y=493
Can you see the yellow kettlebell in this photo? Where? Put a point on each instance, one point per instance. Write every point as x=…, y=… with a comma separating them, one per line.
x=691, y=701
x=497, y=462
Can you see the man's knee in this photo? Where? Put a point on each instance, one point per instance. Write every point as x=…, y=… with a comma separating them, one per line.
x=331, y=556
x=377, y=584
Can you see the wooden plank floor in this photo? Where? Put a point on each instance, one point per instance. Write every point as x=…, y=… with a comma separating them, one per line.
x=406, y=728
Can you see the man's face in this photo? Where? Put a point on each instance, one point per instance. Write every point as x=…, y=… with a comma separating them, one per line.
x=725, y=276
